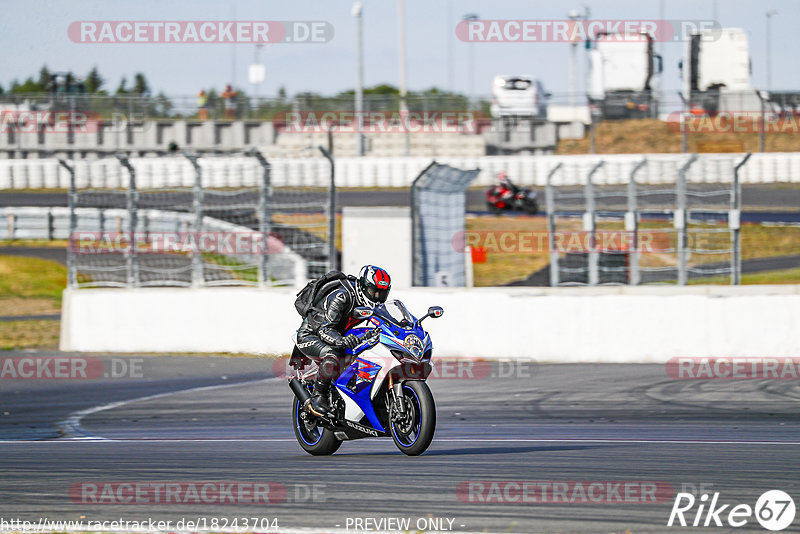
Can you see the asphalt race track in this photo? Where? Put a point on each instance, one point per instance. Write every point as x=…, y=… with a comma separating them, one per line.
x=228, y=419
x=767, y=198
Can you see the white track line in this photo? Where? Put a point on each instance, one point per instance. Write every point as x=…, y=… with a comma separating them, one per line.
x=71, y=426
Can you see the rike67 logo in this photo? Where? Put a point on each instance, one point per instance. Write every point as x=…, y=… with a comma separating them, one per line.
x=774, y=510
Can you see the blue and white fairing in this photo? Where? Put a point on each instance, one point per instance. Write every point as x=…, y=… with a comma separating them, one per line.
x=401, y=337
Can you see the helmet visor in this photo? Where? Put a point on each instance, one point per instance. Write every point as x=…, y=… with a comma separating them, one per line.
x=377, y=295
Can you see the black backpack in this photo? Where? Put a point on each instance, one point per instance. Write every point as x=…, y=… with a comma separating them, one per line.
x=316, y=289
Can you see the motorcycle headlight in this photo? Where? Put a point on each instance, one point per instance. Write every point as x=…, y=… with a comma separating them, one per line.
x=414, y=346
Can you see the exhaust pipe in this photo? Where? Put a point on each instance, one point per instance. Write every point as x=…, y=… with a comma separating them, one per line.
x=299, y=391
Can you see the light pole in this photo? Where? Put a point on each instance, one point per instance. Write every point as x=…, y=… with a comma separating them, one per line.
x=574, y=15
x=359, y=104
x=471, y=60
x=769, y=14
x=401, y=25
x=449, y=34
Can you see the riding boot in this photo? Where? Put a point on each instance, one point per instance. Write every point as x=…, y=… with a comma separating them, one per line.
x=318, y=403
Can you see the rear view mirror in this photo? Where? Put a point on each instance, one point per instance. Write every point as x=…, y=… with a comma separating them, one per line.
x=362, y=311
x=433, y=311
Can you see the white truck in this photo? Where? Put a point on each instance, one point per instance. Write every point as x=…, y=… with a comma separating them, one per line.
x=518, y=96
x=716, y=72
x=624, y=73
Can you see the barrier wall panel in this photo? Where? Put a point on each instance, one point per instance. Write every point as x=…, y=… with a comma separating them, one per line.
x=400, y=172
x=557, y=325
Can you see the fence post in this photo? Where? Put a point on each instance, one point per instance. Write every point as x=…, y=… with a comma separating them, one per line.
x=734, y=219
x=265, y=219
x=590, y=225
x=681, y=221
x=632, y=225
x=331, y=212
x=551, y=225
x=761, y=125
x=73, y=224
x=684, y=131
x=132, y=201
x=198, y=277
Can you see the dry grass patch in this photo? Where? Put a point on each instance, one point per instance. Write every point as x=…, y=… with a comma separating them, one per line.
x=24, y=277
x=29, y=335
x=652, y=135
x=28, y=306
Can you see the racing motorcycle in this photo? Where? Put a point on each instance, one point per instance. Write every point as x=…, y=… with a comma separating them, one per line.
x=503, y=197
x=381, y=391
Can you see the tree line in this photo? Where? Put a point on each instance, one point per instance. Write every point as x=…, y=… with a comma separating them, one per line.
x=92, y=83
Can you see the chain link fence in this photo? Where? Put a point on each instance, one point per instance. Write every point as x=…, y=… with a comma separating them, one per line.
x=639, y=234
x=200, y=234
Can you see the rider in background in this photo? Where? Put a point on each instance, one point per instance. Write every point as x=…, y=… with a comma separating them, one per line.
x=321, y=335
x=509, y=190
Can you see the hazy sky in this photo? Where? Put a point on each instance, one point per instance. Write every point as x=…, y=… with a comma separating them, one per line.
x=35, y=32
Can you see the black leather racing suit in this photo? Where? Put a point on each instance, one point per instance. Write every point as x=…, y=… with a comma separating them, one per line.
x=320, y=335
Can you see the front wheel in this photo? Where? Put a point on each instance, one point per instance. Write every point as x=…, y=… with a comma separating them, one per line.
x=531, y=206
x=412, y=431
x=313, y=438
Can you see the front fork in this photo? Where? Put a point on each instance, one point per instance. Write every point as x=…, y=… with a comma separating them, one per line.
x=397, y=400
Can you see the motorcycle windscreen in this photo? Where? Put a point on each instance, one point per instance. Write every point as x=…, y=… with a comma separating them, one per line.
x=396, y=313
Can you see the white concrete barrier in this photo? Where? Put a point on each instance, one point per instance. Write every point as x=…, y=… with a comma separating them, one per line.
x=624, y=324
x=400, y=172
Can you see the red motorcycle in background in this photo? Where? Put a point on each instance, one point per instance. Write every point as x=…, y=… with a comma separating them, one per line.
x=505, y=196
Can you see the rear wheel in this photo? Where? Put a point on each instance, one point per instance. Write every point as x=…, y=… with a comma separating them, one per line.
x=413, y=430
x=313, y=438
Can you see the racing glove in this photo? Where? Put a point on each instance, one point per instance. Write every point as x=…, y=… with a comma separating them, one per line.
x=351, y=341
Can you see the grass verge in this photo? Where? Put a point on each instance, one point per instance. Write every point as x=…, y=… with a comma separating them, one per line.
x=16, y=335
x=25, y=277
x=30, y=286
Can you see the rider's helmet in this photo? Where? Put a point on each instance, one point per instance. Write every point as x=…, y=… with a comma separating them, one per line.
x=372, y=286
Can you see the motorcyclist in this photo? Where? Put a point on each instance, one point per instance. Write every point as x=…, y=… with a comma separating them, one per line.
x=321, y=335
x=509, y=190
